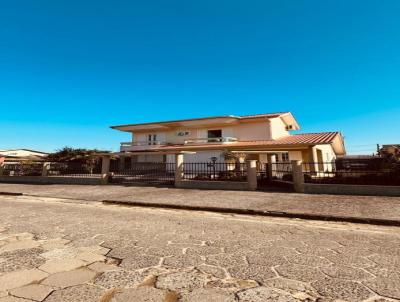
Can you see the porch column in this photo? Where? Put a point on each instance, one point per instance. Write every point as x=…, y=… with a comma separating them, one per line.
x=105, y=169
x=313, y=158
x=271, y=161
x=45, y=169
x=298, y=176
x=178, y=168
x=251, y=166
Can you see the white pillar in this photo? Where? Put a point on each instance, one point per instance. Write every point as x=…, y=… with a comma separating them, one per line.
x=313, y=158
x=105, y=169
x=45, y=169
x=178, y=168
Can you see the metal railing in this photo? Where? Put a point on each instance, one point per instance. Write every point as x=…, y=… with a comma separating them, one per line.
x=23, y=169
x=215, y=171
x=210, y=140
x=328, y=173
x=74, y=169
x=282, y=171
x=142, y=143
x=161, y=172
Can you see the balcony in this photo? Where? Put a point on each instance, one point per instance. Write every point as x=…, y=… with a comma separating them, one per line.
x=149, y=145
x=139, y=146
x=209, y=140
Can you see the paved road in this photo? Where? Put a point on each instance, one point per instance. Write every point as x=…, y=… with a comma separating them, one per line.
x=52, y=250
x=326, y=205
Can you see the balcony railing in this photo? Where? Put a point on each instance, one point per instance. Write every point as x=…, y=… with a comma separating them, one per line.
x=211, y=140
x=143, y=143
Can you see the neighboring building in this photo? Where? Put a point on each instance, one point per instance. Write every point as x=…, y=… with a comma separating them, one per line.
x=21, y=154
x=391, y=150
x=259, y=137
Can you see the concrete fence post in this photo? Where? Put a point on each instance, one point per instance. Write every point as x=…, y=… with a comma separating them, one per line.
x=121, y=163
x=251, y=167
x=298, y=176
x=178, y=169
x=45, y=169
x=271, y=163
x=1, y=168
x=105, y=169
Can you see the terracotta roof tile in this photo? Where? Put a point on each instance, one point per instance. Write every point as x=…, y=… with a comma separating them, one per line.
x=296, y=139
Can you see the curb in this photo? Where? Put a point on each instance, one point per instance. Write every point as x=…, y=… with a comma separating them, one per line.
x=11, y=194
x=351, y=219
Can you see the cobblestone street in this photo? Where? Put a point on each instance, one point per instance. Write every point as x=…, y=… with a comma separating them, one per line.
x=51, y=250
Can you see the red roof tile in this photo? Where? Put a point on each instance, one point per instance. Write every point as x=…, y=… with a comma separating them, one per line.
x=297, y=139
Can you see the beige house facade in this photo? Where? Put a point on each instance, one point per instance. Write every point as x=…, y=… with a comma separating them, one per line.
x=263, y=137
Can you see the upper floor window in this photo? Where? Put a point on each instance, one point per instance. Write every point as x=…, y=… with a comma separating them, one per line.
x=183, y=133
x=214, y=133
x=152, y=139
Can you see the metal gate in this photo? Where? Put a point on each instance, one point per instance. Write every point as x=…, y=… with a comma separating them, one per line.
x=155, y=173
x=278, y=177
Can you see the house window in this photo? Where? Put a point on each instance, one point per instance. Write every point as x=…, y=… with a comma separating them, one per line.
x=152, y=139
x=183, y=133
x=285, y=157
x=214, y=135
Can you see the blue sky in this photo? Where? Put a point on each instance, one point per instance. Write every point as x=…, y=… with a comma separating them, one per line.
x=70, y=69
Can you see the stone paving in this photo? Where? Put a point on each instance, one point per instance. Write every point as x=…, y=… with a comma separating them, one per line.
x=54, y=250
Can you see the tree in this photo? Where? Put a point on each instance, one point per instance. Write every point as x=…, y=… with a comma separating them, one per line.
x=68, y=154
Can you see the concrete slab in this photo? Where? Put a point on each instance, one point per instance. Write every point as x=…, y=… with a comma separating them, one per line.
x=14, y=299
x=34, y=292
x=71, y=278
x=20, y=278
x=57, y=265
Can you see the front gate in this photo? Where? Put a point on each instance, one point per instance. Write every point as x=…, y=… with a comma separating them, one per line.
x=277, y=177
x=155, y=173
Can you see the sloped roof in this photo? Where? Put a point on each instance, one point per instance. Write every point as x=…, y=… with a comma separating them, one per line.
x=234, y=117
x=296, y=140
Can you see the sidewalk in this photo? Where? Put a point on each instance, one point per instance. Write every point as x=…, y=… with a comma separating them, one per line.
x=363, y=209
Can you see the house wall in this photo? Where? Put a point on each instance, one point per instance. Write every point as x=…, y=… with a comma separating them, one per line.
x=261, y=130
x=252, y=131
x=328, y=154
x=278, y=128
x=295, y=155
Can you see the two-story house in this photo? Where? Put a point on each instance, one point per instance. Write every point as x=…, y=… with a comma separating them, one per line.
x=260, y=137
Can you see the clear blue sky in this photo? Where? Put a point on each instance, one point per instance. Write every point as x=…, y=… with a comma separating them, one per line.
x=70, y=69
